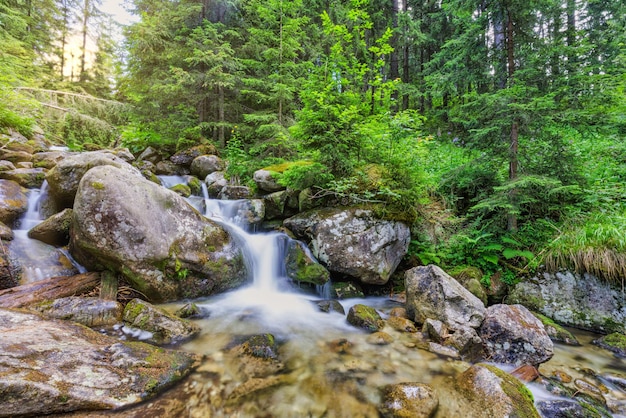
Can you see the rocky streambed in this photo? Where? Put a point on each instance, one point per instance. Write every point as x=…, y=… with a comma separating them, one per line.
x=278, y=325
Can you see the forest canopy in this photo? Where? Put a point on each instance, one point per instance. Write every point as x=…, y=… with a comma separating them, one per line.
x=496, y=129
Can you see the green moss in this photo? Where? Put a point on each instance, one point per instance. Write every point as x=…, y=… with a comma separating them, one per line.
x=97, y=185
x=281, y=168
x=522, y=398
x=615, y=340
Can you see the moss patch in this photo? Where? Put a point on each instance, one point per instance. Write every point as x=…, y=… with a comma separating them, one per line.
x=614, y=342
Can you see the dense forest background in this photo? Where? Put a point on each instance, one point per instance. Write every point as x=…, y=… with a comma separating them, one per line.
x=497, y=129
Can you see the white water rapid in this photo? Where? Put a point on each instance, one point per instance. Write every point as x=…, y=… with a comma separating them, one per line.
x=38, y=260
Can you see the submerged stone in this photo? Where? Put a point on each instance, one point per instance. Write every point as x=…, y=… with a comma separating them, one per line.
x=365, y=317
x=408, y=400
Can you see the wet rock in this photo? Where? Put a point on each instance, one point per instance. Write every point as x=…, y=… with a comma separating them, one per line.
x=580, y=301
x=172, y=254
x=190, y=310
x=302, y=267
x=353, y=242
x=276, y=205
x=365, y=317
x=556, y=332
x=431, y=293
x=164, y=327
x=443, y=350
x=9, y=272
x=347, y=290
x=435, y=330
x=495, y=393
x=573, y=401
x=466, y=341
x=341, y=346
x=181, y=189
x=267, y=181
x=257, y=357
x=64, y=178
x=401, y=324
x=195, y=185
x=186, y=157
x=13, y=201
x=89, y=311
x=55, y=230
x=215, y=182
x=234, y=192
x=331, y=306
x=379, y=338
x=6, y=233
x=204, y=165
x=52, y=366
x=399, y=312
x=512, y=335
x=30, y=178
x=614, y=342
x=526, y=373
x=565, y=408
x=408, y=400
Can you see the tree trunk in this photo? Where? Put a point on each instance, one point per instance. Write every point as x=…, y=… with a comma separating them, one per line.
x=220, y=116
x=48, y=289
x=514, y=139
x=83, y=57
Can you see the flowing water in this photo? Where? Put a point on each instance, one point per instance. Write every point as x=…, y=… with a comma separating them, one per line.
x=328, y=368
x=37, y=259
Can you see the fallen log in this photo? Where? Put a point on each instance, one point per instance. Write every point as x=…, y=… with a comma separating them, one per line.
x=48, y=289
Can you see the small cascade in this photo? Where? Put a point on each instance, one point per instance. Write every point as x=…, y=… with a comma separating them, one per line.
x=38, y=260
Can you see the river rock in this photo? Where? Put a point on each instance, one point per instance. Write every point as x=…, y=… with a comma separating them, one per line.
x=150, y=155
x=353, y=242
x=330, y=305
x=6, y=165
x=163, y=327
x=408, y=400
x=204, y=165
x=229, y=192
x=580, y=301
x=13, y=201
x=89, y=311
x=186, y=157
x=152, y=236
x=401, y=324
x=365, y=317
x=494, y=393
x=302, y=267
x=55, y=230
x=215, y=182
x=556, y=332
x=30, y=178
x=168, y=168
x=64, y=178
x=614, y=342
x=52, y=366
x=431, y=293
x=48, y=159
x=267, y=181
x=276, y=205
x=6, y=233
x=257, y=356
x=15, y=156
x=511, y=334
x=9, y=276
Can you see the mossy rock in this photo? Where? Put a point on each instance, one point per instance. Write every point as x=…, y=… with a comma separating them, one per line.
x=182, y=189
x=556, y=332
x=365, y=317
x=301, y=266
x=614, y=342
x=347, y=290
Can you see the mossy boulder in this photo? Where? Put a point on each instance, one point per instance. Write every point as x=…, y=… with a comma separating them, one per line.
x=185, y=157
x=302, y=267
x=492, y=392
x=353, y=242
x=55, y=367
x=31, y=178
x=408, y=400
x=64, y=178
x=556, y=332
x=347, y=290
x=164, y=327
x=181, y=189
x=89, y=311
x=256, y=356
x=267, y=180
x=365, y=317
x=152, y=236
x=55, y=230
x=615, y=342
x=204, y=165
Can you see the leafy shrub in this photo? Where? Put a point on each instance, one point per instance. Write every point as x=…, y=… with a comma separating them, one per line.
x=12, y=120
x=79, y=129
x=301, y=175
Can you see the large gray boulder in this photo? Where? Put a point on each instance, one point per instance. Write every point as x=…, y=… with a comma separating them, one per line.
x=432, y=293
x=64, y=178
x=53, y=366
x=152, y=236
x=511, y=334
x=13, y=201
x=267, y=181
x=580, y=301
x=204, y=165
x=353, y=242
